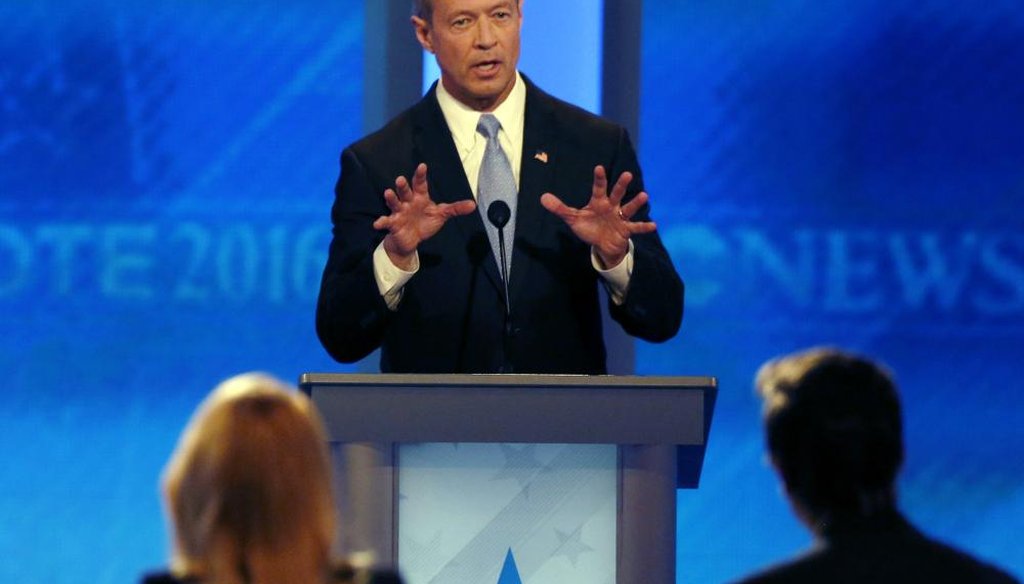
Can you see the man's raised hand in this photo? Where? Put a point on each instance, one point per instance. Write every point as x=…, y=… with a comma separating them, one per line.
x=604, y=223
x=414, y=217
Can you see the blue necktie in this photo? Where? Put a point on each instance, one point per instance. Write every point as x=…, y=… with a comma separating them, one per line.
x=496, y=183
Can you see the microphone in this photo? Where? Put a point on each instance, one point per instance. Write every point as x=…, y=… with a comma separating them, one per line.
x=498, y=213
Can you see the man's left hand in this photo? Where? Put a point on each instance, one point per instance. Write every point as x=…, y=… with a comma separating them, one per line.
x=605, y=223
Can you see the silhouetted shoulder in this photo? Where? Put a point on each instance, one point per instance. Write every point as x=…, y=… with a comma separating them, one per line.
x=883, y=560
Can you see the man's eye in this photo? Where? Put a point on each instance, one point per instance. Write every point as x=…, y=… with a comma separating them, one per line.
x=502, y=15
x=460, y=22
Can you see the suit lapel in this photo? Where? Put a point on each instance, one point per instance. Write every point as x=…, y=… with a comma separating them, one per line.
x=535, y=178
x=447, y=178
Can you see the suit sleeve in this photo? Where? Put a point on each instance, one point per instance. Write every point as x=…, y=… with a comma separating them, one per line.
x=351, y=314
x=653, y=308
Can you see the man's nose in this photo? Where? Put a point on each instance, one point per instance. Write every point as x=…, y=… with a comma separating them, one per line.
x=485, y=36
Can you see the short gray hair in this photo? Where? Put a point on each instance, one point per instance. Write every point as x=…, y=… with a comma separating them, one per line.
x=423, y=8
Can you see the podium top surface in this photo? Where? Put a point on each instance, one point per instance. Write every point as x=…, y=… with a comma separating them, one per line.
x=561, y=409
x=309, y=380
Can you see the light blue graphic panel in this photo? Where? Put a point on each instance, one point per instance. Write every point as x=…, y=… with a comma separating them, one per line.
x=530, y=513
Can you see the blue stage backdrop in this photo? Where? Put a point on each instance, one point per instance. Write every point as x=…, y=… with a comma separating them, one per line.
x=845, y=173
x=166, y=174
x=822, y=172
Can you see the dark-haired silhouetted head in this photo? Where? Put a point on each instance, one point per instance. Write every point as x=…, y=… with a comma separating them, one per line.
x=834, y=432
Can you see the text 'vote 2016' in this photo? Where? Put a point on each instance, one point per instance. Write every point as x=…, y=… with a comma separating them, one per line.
x=188, y=262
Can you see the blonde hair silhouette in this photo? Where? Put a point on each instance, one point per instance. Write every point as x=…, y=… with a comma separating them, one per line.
x=248, y=488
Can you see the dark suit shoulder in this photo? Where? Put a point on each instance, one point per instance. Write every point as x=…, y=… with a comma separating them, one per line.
x=572, y=120
x=393, y=134
x=390, y=151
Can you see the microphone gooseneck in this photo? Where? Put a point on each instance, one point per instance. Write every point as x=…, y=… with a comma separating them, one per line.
x=498, y=213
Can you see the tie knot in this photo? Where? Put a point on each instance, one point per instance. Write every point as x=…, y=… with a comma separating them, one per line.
x=488, y=126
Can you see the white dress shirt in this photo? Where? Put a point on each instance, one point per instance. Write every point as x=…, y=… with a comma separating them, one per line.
x=462, y=122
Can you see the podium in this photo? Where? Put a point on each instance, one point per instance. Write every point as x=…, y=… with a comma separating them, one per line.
x=614, y=447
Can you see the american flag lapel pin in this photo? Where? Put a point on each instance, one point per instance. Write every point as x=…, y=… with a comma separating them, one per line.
x=541, y=156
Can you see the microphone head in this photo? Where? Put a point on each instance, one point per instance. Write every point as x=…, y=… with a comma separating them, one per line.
x=498, y=214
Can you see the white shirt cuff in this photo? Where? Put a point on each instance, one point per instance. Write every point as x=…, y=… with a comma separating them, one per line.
x=616, y=278
x=390, y=278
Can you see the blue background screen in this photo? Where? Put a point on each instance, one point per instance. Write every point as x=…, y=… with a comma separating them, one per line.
x=821, y=172
x=844, y=173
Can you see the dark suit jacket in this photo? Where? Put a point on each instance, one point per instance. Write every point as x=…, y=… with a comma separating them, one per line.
x=451, y=317
x=885, y=550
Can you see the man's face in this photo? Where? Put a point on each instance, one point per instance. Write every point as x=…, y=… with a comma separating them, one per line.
x=476, y=43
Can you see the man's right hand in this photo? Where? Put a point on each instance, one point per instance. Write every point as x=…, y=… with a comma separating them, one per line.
x=414, y=217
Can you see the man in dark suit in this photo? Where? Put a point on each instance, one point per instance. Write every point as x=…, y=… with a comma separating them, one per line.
x=412, y=267
x=834, y=432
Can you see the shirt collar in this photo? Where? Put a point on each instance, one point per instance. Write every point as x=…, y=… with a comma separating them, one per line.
x=462, y=119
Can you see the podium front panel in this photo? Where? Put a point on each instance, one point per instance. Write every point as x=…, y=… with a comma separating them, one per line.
x=488, y=512
x=629, y=442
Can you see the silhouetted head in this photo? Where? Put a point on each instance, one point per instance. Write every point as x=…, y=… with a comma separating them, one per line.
x=248, y=487
x=834, y=432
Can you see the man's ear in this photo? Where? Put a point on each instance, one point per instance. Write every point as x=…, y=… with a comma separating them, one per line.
x=422, y=28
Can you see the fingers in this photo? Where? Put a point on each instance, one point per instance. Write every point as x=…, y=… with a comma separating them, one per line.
x=419, y=180
x=402, y=189
x=391, y=199
x=631, y=208
x=405, y=190
x=600, y=188
x=459, y=208
x=619, y=190
x=641, y=227
x=556, y=206
x=634, y=205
